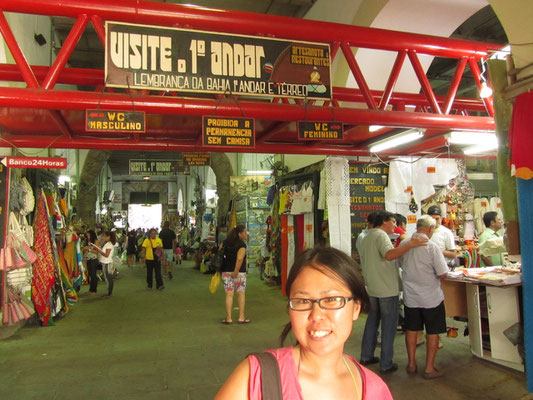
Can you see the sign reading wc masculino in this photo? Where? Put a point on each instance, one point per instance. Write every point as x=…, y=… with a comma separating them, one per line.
x=161, y=58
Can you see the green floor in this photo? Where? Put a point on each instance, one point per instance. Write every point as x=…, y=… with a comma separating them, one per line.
x=147, y=344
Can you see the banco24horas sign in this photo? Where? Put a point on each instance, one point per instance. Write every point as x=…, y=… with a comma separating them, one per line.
x=160, y=58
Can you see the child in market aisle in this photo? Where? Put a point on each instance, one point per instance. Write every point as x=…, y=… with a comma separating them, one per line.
x=177, y=254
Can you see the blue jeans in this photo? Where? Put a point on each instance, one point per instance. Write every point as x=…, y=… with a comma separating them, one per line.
x=384, y=309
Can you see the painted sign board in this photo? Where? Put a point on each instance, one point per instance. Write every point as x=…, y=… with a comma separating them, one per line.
x=115, y=121
x=142, y=167
x=35, y=162
x=228, y=132
x=317, y=130
x=184, y=60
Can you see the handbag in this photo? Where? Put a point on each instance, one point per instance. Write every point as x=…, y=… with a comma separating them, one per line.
x=157, y=251
x=218, y=259
x=215, y=282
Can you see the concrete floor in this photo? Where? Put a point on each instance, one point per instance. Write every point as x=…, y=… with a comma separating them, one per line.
x=143, y=344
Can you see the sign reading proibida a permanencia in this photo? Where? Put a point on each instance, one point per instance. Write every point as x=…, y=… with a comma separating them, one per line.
x=228, y=132
x=35, y=162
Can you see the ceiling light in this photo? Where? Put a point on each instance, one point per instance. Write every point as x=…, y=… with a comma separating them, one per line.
x=396, y=140
x=258, y=172
x=485, y=91
x=62, y=179
x=480, y=176
x=374, y=128
x=481, y=148
x=463, y=137
x=146, y=178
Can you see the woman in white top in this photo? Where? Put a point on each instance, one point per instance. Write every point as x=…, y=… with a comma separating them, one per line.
x=105, y=257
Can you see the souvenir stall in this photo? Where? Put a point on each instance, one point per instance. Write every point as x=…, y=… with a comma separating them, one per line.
x=42, y=263
x=294, y=220
x=16, y=255
x=250, y=208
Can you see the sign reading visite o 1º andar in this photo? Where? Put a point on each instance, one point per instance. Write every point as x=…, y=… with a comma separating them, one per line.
x=367, y=193
x=153, y=167
x=316, y=130
x=228, y=132
x=161, y=58
x=115, y=121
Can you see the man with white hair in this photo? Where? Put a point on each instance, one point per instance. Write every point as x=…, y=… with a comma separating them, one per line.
x=422, y=270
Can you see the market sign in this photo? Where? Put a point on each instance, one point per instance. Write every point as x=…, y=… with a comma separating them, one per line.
x=228, y=132
x=115, y=121
x=196, y=159
x=367, y=193
x=162, y=58
x=153, y=167
x=316, y=130
x=35, y=162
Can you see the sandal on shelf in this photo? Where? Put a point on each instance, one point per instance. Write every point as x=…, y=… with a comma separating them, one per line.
x=226, y=322
x=244, y=321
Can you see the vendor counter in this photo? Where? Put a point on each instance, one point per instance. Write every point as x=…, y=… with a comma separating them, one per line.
x=491, y=306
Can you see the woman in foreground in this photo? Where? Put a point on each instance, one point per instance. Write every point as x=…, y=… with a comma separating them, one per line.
x=326, y=294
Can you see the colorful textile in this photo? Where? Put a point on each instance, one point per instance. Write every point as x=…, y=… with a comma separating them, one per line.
x=521, y=136
x=43, y=269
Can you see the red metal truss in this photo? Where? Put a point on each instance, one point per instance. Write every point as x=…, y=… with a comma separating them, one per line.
x=275, y=132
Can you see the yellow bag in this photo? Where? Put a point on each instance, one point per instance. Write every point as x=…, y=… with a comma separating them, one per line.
x=215, y=282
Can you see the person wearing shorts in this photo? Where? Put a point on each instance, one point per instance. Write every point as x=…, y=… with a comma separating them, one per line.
x=234, y=272
x=168, y=237
x=422, y=271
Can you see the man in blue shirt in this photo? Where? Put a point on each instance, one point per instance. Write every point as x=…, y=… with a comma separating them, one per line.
x=422, y=270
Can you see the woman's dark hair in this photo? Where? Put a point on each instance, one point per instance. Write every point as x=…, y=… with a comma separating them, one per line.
x=112, y=236
x=331, y=262
x=400, y=219
x=233, y=237
x=92, y=236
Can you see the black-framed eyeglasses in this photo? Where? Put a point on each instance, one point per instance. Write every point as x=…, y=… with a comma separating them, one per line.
x=326, y=303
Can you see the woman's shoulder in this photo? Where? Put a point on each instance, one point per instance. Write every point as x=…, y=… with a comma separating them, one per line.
x=374, y=386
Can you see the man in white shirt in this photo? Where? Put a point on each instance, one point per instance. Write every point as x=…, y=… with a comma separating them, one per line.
x=422, y=270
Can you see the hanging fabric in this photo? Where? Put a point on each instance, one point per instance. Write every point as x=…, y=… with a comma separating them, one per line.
x=338, y=203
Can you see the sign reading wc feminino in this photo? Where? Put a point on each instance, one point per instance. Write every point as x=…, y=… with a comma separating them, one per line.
x=160, y=58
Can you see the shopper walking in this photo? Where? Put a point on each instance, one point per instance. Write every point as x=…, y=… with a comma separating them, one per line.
x=168, y=237
x=131, y=247
x=91, y=255
x=106, y=259
x=153, y=263
x=234, y=272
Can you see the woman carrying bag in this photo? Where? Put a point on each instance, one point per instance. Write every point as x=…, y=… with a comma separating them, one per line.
x=151, y=248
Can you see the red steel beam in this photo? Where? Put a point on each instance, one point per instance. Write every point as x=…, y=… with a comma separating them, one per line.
x=474, y=68
x=422, y=78
x=358, y=75
x=454, y=85
x=57, y=99
x=65, y=52
x=95, y=77
x=17, y=53
x=393, y=77
x=163, y=14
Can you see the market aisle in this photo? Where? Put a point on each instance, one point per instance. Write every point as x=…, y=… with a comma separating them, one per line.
x=143, y=344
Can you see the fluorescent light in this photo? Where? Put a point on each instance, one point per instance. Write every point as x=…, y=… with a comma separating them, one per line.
x=258, y=172
x=396, y=140
x=374, y=128
x=488, y=176
x=146, y=178
x=462, y=137
x=485, y=91
x=481, y=148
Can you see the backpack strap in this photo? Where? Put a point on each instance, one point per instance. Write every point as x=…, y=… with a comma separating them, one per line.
x=270, y=377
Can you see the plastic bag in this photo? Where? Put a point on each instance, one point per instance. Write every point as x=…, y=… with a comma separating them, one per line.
x=203, y=267
x=215, y=282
